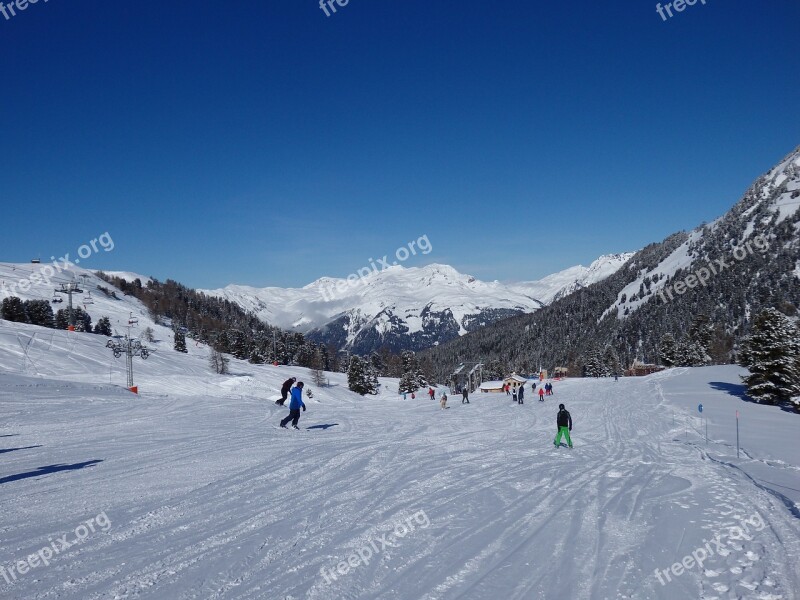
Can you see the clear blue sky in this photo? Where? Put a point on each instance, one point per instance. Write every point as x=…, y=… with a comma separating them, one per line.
x=261, y=142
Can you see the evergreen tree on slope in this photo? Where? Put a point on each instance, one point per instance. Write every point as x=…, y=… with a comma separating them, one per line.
x=180, y=341
x=361, y=378
x=668, y=350
x=772, y=354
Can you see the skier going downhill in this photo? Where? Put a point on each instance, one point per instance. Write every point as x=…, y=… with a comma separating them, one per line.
x=465, y=396
x=295, y=404
x=564, y=422
x=541, y=394
x=521, y=394
x=287, y=385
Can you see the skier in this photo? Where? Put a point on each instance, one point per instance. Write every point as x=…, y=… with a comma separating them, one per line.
x=465, y=396
x=564, y=423
x=443, y=402
x=508, y=389
x=616, y=377
x=521, y=394
x=514, y=395
x=541, y=394
x=295, y=404
x=431, y=393
x=287, y=385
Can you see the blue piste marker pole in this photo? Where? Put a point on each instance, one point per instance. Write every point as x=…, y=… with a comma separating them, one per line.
x=700, y=408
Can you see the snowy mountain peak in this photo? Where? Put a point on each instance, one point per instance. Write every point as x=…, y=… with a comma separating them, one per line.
x=406, y=307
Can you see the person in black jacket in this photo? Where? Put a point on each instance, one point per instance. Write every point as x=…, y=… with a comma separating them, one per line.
x=564, y=423
x=287, y=385
x=465, y=396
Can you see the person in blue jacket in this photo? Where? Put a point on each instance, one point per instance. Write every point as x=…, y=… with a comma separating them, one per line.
x=295, y=404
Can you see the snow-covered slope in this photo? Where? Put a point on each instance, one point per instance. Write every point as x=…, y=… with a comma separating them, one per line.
x=193, y=492
x=407, y=307
x=750, y=228
x=126, y=313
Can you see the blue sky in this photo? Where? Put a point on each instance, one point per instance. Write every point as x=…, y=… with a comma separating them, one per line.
x=263, y=143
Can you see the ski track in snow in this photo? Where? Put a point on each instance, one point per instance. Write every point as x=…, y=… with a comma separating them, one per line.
x=209, y=500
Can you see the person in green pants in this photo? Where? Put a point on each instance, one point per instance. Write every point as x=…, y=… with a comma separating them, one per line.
x=564, y=422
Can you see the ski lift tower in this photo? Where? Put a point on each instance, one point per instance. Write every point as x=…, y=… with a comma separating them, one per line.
x=130, y=348
x=69, y=289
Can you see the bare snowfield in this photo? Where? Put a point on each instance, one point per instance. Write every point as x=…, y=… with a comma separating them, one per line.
x=192, y=491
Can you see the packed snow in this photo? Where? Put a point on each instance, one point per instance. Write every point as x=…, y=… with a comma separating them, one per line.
x=190, y=490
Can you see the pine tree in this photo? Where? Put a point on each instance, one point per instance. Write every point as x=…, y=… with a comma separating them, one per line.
x=611, y=361
x=14, y=310
x=103, y=327
x=39, y=312
x=256, y=358
x=62, y=319
x=361, y=377
x=772, y=354
x=83, y=322
x=413, y=377
x=148, y=335
x=700, y=334
x=668, y=350
x=180, y=341
x=240, y=347
x=593, y=366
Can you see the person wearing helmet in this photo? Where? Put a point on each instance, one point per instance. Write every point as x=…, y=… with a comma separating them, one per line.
x=287, y=385
x=564, y=424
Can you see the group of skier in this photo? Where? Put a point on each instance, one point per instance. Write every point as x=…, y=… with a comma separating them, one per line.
x=292, y=387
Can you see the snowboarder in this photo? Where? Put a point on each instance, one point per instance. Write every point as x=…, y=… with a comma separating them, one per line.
x=295, y=404
x=287, y=385
x=443, y=401
x=465, y=396
x=521, y=394
x=541, y=394
x=564, y=423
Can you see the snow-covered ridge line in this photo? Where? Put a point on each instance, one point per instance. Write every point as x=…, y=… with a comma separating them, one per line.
x=431, y=304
